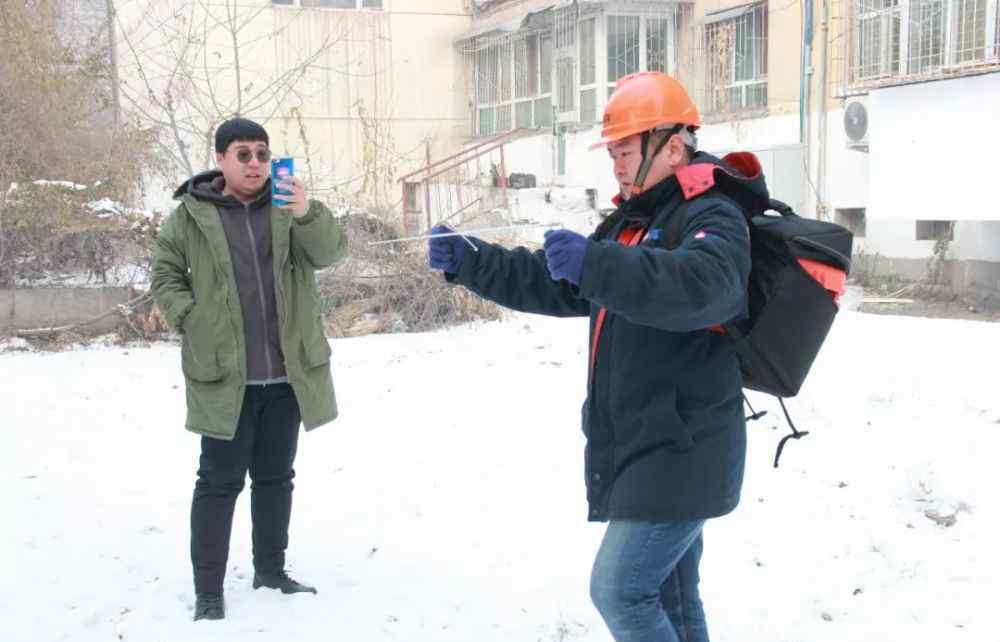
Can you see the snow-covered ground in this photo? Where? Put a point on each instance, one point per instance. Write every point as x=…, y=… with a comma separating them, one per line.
x=447, y=502
x=532, y=211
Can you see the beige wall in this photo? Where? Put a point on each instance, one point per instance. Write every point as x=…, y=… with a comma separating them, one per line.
x=379, y=85
x=784, y=36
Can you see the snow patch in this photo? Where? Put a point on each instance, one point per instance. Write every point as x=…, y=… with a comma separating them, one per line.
x=67, y=184
x=14, y=344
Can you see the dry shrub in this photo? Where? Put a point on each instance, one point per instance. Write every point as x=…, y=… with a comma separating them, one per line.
x=390, y=288
x=52, y=230
x=57, y=342
x=57, y=121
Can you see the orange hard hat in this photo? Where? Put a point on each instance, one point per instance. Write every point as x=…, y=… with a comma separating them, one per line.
x=644, y=101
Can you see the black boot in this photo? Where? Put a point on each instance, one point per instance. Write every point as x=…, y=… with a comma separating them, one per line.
x=209, y=606
x=281, y=581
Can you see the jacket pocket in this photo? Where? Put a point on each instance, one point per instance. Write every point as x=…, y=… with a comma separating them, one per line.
x=199, y=356
x=316, y=352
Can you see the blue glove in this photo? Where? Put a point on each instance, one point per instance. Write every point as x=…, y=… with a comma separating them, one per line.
x=445, y=253
x=564, y=252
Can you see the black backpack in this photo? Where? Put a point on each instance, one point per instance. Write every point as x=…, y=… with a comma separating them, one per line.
x=798, y=268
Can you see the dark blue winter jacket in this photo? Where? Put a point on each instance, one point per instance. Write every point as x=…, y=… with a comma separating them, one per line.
x=666, y=435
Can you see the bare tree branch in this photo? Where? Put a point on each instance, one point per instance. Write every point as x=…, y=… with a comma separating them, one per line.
x=184, y=98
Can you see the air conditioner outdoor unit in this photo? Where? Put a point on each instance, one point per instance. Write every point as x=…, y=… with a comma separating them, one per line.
x=856, y=125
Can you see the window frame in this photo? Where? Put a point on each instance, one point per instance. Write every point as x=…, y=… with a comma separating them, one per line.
x=510, y=91
x=671, y=18
x=934, y=230
x=568, y=49
x=727, y=81
x=587, y=85
x=640, y=56
x=942, y=35
x=855, y=219
x=883, y=18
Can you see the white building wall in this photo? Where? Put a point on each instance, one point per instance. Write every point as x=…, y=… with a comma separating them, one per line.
x=848, y=181
x=895, y=238
x=773, y=139
x=933, y=149
x=929, y=159
x=976, y=241
x=754, y=134
x=584, y=168
x=846, y=168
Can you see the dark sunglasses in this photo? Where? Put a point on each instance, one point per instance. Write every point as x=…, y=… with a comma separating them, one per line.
x=244, y=155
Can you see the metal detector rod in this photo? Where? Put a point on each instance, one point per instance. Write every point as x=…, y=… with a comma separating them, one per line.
x=462, y=234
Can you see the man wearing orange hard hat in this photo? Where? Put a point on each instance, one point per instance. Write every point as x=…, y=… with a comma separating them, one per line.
x=663, y=417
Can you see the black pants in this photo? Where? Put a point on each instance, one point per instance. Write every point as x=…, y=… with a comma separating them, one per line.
x=265, y=444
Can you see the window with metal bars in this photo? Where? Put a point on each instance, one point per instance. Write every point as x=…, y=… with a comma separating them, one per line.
x=658, y=45
x=893, y=40
x=562, y=66
x=623, y=47
x=879, y=28
x=489, y=69
x=736, y=62
x=543, y=104
x=566, y=88
x=588, y=70
x=996, y=31
x=565, y=23
x=969, y=27
x=513, y=83
x=639, y=43
x=565, y=28
x=526, y=66
x=925, y=49
x=525, y=79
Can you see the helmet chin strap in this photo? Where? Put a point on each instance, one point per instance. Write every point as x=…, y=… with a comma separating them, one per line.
x=656, y=140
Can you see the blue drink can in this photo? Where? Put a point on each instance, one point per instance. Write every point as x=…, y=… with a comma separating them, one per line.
x=281, y=168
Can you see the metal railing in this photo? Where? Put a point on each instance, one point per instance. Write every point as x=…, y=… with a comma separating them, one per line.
x=466, y=183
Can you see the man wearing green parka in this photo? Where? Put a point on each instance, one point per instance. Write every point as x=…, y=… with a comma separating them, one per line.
x=234, y=274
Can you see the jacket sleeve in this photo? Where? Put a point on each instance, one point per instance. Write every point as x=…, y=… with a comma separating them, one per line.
x=699, y=284
x=517, y=279
x=169, y=278
x=319, y=236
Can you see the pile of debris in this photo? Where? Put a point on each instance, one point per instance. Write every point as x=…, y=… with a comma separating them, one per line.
x=389, y=287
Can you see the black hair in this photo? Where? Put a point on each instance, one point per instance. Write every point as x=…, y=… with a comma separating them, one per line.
x=238, y=129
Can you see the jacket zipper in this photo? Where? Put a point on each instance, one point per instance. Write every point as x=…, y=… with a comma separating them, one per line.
x=260, y=293
x=282, y=315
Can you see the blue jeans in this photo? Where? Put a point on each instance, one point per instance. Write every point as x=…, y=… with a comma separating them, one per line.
x=645, y=582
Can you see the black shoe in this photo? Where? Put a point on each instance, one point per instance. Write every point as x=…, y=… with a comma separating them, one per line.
x=281, y=581
x=209, y=606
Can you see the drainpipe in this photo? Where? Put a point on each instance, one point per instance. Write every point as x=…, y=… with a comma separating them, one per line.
x=805, y=84
x=804, y=57
x=824, y=27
